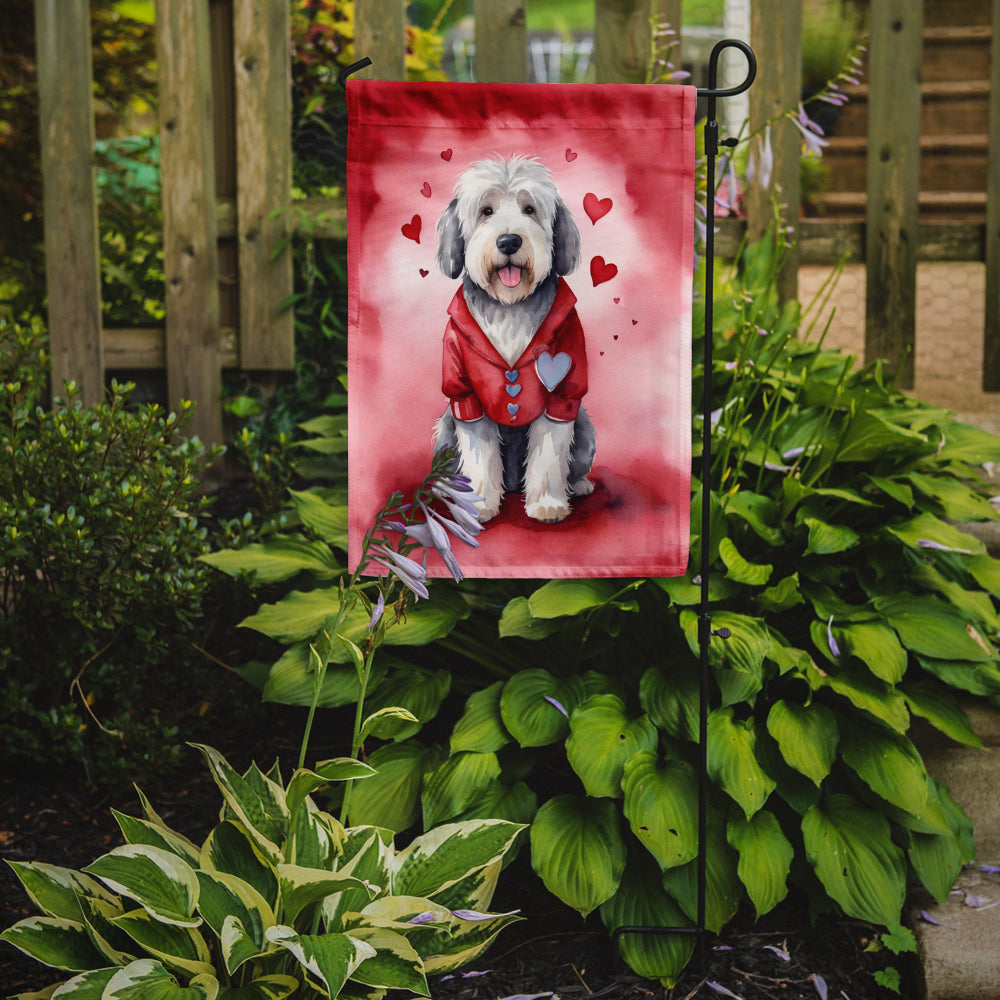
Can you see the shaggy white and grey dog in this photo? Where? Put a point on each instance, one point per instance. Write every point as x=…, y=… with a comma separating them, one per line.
x=515, y=366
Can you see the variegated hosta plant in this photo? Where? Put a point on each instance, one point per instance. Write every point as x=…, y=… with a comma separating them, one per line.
x=279, y=900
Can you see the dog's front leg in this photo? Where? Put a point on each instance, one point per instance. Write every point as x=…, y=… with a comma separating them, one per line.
x=481, y=460
x=546, y=469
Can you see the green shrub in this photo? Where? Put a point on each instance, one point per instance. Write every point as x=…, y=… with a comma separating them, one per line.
x=99, y=542
x=279, y=900
x=855, y=605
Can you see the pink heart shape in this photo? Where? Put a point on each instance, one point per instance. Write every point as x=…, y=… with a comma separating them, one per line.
x=571, y=156
x=446, y=155
x=411, y=229
x=596, y=208
x=426, y=190
x=601, y=272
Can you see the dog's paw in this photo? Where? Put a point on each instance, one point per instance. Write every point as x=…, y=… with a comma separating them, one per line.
x=488, y=508
x=547, y=509
x=583, y=487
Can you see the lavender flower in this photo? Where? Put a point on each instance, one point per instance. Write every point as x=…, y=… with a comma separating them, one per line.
x=834, y=647
x=557, y=704
x=411, y=574
x=377, y=612
x=761, y=162
x=811, y=132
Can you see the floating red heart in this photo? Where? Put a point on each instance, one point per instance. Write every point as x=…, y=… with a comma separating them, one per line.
x=426, y=190
x=571, y=156
x=411, y=229
x=424, y=272
x=635, y=322
x=601, y=272
x=617, y=300
x=596, y=208
x=446, y=155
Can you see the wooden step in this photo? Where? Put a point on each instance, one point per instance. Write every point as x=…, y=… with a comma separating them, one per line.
x=947, y=162
x=958, y=206
x=956, y=53
x=945, y=12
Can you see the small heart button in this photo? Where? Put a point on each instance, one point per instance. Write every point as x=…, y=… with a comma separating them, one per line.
x=512, y=408
x=512, y=376
x=513, y=390
x=552, y=370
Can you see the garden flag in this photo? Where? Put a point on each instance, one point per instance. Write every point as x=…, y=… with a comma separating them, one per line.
x=520, y=274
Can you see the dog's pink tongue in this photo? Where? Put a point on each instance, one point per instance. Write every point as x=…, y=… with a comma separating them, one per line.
x=510, y=275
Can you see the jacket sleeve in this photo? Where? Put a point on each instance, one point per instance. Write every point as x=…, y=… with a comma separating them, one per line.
x=564, y=400
x=455, y=382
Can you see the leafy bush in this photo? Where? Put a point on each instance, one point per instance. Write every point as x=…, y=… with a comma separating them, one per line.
x=279, y=899
x=854, y=602
x=99, y=541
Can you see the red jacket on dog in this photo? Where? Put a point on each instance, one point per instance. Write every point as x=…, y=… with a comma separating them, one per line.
x=550, y=377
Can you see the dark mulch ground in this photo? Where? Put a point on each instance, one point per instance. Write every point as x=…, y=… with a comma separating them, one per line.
x=551, y=951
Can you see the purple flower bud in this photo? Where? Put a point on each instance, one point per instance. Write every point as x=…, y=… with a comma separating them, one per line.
x=377, y=612
x=834, y=648
x=558, y=705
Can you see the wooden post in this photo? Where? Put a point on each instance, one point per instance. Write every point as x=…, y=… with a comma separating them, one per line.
x=190, y=254
x=776, y=35
x=501, y=36
x=262, y=61
x=72, y=256
x=893, y=183
x=621, y=40
x=991, y=333
x=669, y=12
x=380, y=34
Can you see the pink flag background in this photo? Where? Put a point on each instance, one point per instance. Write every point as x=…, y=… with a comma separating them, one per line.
x=622, y=158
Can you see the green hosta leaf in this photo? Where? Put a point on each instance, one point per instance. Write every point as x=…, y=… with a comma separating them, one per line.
x=395, y=964
x=386, y=723
x=275, y=987
x=732, y=760
x=758, y=511
x=226, y=898
x=683, y=592
x=976, y=678
x=466, y=941
x=850, y=848
x=517, y=620
x=870, y=436
x=304, y=782
x=301, y=887
x=931, y=628
x=391, y=798
x=928, y=528
x=87, y=986
x=279, y=558
x=330, y=959
x=876, y=646
x=456, y=784
x=528, y=710
x=739, y=569
x=965, y=443
x=671, y=700
x=986, y=572
x=957, y=501
x=866, y=692
x=56, y=891
x=327, y=520
x=937, y=860
x=783, y=595
x=738, y=661
x=807, y=736
x=230, y=849
x=147, y=979
x=893, y=488
x=602, y=738
x=415, y=689
x=828, y=539
x=159, y=881
x=516, y=803
x=260, y=809
x=559, y=598
x=661, y=799
x=438, y=859
x=292, y=680
x=578, y=851
x=765, y=858
x=366, y=855
x=481, y=728
x=98, y=916
x=641, y=901
x=141, y=831
x=723, y=889
x=54, y=941
x=888, y=763
x=180, y=948
x=975, y=605
x=941, y=709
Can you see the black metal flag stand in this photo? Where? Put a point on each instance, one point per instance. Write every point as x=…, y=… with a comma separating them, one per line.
x=705, y=631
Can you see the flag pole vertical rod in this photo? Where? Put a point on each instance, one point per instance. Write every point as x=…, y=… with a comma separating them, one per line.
x=705, y=633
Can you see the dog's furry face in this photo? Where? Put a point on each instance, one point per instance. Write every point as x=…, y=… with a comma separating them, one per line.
x=507, y=228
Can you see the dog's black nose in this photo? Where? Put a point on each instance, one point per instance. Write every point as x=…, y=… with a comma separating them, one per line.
x=508, y=243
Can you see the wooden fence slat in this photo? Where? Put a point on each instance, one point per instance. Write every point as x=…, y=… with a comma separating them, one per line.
x=776, y=36
x=262, y=61
x=501, y=36
x=72, y=256
x=893, y=184
x=380, y=34
x=991, y=332
x=621, y=40
x=190, y=253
